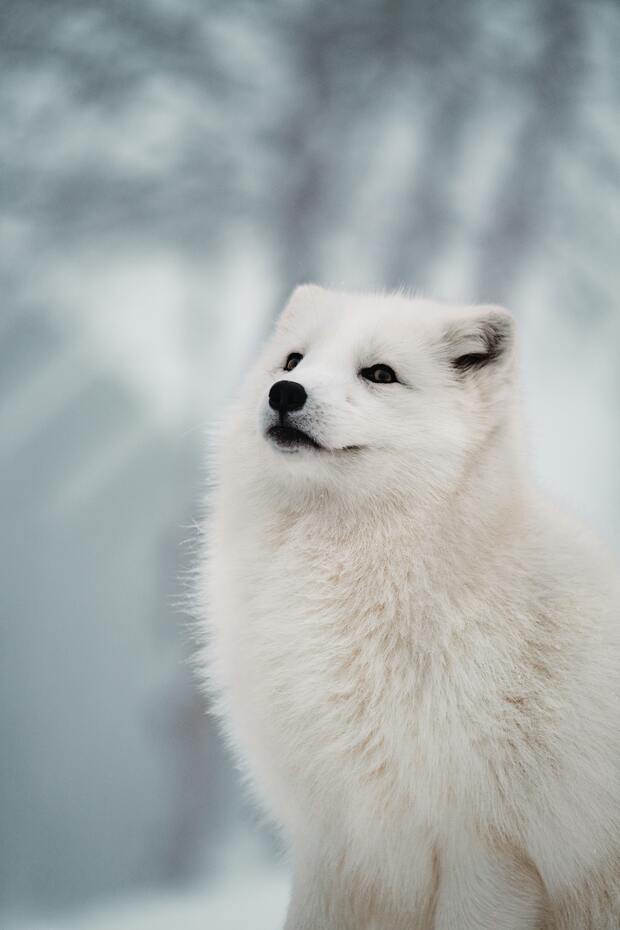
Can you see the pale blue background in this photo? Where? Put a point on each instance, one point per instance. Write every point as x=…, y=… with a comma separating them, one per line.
x=170, y=169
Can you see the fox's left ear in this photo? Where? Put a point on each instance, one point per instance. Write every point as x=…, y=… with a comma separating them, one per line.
x=482, y=337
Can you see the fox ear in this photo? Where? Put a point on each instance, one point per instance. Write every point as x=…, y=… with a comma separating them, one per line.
x=484, y=337
x=302, y=298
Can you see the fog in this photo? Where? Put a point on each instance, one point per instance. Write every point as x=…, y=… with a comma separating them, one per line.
x=170, y=170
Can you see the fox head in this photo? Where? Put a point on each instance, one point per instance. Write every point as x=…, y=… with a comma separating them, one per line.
x=374, y=394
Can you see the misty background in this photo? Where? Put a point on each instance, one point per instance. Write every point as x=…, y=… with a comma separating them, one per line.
x=170, y=169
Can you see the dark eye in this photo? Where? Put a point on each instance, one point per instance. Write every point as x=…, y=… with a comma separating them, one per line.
x=379, y=374
x=293, y=361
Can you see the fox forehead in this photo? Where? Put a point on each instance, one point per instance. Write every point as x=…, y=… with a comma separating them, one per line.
x=359, y=321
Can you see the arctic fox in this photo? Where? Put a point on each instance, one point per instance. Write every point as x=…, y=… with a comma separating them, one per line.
x=415, y=656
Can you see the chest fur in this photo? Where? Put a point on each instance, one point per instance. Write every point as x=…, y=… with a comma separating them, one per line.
x=374, y=671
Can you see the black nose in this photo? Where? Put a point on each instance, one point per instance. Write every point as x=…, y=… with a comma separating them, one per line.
x=285, y=396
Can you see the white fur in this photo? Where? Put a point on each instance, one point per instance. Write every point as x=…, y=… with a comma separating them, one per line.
x=416, y=658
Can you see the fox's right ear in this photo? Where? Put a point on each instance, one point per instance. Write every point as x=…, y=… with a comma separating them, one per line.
x=303, y=298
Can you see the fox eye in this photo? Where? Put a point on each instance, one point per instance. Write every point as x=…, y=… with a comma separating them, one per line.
x=379, y=374
x=293, y=361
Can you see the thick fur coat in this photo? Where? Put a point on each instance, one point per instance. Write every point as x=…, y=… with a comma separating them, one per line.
x=416, y=658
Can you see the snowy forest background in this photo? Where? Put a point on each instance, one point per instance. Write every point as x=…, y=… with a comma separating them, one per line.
x=170, y=170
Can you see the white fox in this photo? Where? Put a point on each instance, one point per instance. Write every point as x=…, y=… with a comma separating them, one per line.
x=415, y=656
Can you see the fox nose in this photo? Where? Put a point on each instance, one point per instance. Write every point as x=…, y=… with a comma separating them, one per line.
x=286, y=396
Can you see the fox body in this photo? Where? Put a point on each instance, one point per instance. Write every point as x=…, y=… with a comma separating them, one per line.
x=415, y=656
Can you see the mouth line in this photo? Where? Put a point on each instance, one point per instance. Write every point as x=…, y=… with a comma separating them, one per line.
x=290, y=438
